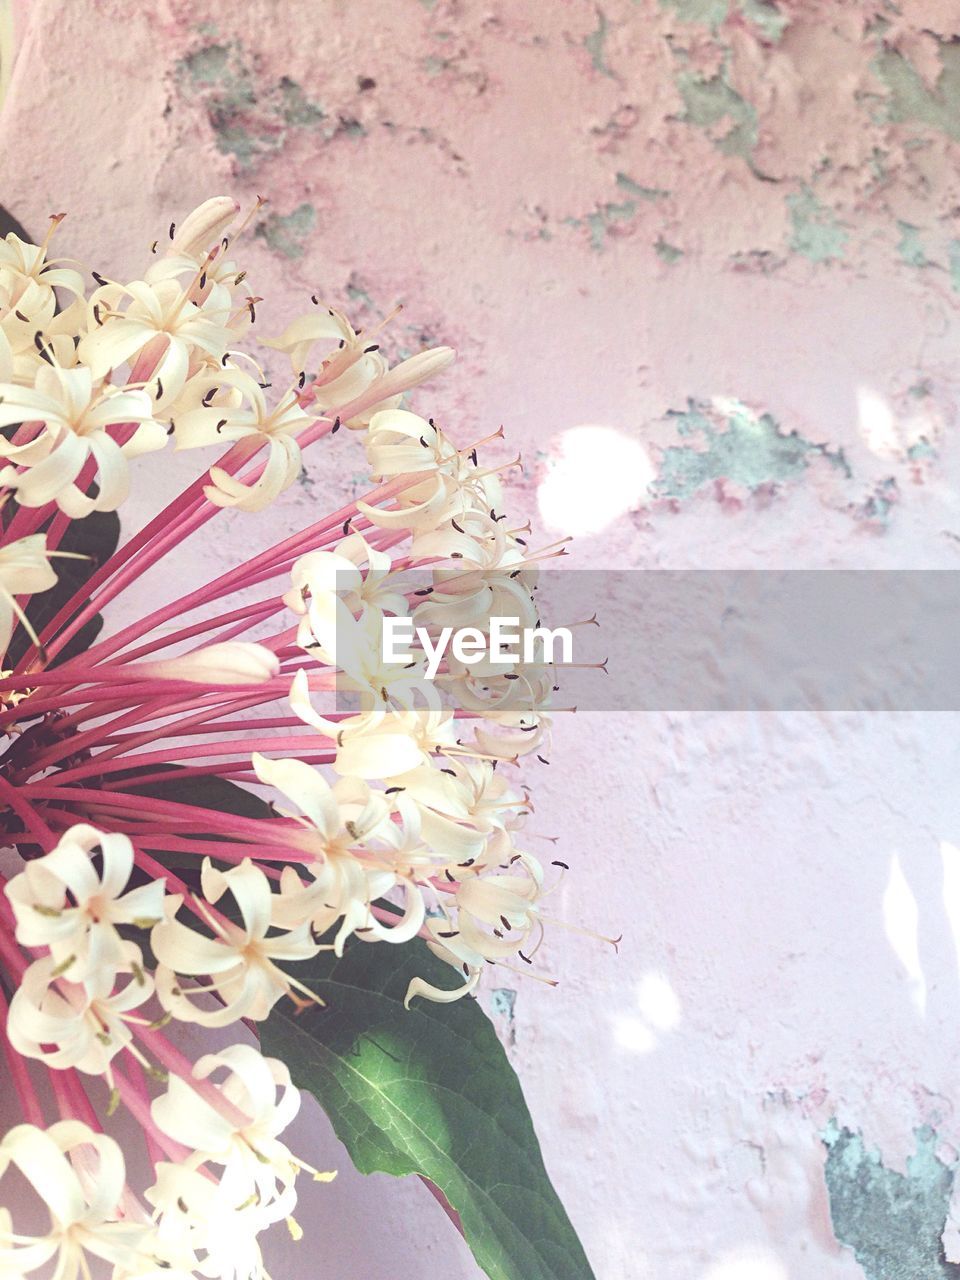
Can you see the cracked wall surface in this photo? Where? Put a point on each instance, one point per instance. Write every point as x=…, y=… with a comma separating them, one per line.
x=702, y=259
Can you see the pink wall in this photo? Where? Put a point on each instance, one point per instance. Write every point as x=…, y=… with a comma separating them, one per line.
x=622, y=213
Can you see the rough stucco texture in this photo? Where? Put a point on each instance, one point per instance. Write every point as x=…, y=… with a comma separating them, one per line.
x=702, y=259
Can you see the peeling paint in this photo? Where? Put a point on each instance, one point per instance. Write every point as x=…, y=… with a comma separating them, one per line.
x=816, y=233
x=713, y=101
x=766, y=17
x=503, y=1003
x=249, y=119
x=711, y=13
x=288, y=234
x=893, y=1222
x=668, y=253
x=909, y=247
x=742, y=447
x=603, y=220
x=595, y=43
x=911, y=101
x=626, y=183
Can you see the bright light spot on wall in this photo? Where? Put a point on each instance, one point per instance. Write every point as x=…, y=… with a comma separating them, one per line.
x=594, y=475
x=658, y=1013
x=877, y=424
x=658, y=1001
x=748, y=1264
x=900, y=920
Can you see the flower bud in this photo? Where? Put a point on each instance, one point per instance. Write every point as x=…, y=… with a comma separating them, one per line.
x=204, y=226
x=234, y=662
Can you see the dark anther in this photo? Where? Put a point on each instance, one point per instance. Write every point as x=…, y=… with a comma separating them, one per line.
x=173, y=227
x=98, y=277
x=543, y=759
x=558, y=863
x=221, y=424
x=393, y=790
x=452, y=879
x=314, y=299
x=459, y=528
x=159, y=389
x=449, y=933
x=366, y=83
x=336, y=427
x=21, y=316
x=522, y=541
x=452, y=772
x=153, y=247
x=208, y=396
x=424, y=591
x=525, y=959
x=301, y=381
x=373, y=347
x=346, y=527
x=203, y=280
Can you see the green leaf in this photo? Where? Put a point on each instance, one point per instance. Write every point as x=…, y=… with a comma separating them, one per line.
x=94, y=537
x=428, y=1091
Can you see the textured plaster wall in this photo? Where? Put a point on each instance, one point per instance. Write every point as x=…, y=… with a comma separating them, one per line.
x=702, y=259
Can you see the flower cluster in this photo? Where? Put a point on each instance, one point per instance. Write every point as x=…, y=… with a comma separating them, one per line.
x=389, y=811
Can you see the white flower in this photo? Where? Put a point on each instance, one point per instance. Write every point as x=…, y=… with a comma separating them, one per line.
x=70, y=1024
x=75, y=413
x=159, y=320
x=320, y=578
x=79, y=1176
x=356, y=851
x=202, y=1229
x=238, y=960
x=24, y=570
x=234, y=662
x=255, y=1162
x=245, y=415
x=379, y=743
x=62, y=902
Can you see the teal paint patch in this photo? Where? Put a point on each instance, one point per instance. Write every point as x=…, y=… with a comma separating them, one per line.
x=713, y=101
x=766, y=17
x=602, y=221
x=248, y=119
x=668, y=253
x=740, y=447
x=207, y=65
x=287, y=234
x=910, y=101
x=595, y=44
x=909, y=247
x=295, y=107
x=953, y=257
x=503, y=1003
x=626, y=183
x=711, y=13
x=816, y=234
x=892, y=1222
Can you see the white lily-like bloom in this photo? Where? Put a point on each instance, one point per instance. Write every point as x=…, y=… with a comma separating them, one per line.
x=237, y=962
x=245, y=415
x=63, y=902
x=77, y=1024
x=359, y=854
x=75, y=413
x=255, y=1162
x=353, y=365
x=24, y=569
x=379, y=743
x=159, y=319
x=79, y=1176
x=320, y=578
x=201, y=1228
x=461, y=805
x=234, y=662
